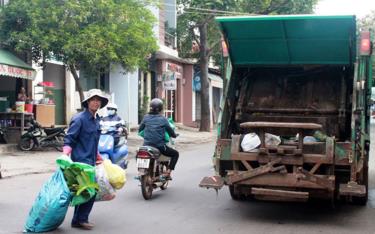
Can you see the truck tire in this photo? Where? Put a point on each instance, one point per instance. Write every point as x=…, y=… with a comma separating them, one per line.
x=362, y=201
x=235, y=194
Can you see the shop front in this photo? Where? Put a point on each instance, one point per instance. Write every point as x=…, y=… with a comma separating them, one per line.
x=15, y=94
x=174, y=77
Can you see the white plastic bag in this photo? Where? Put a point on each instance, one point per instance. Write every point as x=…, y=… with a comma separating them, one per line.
x=272, y=140
x=250, y=142
x=106, y=192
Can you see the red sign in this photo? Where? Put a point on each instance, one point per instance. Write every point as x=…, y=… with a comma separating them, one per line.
x=17, y=72
x=174, y=68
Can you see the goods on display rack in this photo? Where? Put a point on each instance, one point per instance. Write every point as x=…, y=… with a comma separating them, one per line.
x=45, y=91
x=45, y=106
x=14, y=123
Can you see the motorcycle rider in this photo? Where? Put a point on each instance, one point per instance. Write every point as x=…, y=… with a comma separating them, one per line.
x=155, y=125
x=114, y=120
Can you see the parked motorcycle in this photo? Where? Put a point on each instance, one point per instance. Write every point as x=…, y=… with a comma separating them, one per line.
x=107, y=149
x=3, y=136
x=37, y=136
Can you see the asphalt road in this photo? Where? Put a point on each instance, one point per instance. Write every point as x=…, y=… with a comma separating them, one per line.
x=186, y=208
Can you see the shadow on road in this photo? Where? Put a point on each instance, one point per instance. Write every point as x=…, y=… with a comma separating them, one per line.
x=314, y=212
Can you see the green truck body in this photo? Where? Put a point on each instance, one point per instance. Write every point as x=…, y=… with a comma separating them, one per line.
x=306, y=79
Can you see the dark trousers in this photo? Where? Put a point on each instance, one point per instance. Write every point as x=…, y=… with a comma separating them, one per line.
x=169, y=152
x=81, y=212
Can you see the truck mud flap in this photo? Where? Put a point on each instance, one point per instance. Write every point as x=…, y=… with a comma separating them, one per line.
x=215, y=182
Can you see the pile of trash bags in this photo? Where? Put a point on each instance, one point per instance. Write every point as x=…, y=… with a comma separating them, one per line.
x=251, y=141
x=73, y=184
x=109, y=178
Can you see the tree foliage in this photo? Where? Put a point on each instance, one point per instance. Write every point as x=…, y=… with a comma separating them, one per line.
x=93, y=33
x=367, y=22
x=196, y=26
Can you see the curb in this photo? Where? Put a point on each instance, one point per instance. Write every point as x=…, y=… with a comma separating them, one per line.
x=6, y=173
x=8, y=148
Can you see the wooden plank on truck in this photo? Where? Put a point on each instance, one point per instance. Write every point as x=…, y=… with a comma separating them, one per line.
x=310, y=126
x=279, y=195
x=235, y=145
x=244, y=175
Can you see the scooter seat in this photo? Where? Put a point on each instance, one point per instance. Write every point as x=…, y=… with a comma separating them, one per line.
x=50, y=131
x=164, y=158
x=152, y=150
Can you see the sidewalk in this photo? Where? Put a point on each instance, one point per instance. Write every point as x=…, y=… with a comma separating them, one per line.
x=14, y=162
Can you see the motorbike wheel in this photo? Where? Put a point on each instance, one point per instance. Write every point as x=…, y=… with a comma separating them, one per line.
x=3, y=137
x=26, y=144
x=60, y=143
x=146, y=186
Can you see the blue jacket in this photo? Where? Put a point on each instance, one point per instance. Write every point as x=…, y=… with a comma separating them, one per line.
x=155, y=126
x=83, y=137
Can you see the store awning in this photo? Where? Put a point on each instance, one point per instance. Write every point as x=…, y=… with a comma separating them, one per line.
x=216, y=80
x=12, y=66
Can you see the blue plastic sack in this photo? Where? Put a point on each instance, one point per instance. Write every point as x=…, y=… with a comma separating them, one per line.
x=50, y=206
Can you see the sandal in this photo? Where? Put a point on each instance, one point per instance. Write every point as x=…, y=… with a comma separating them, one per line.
x=167, y=175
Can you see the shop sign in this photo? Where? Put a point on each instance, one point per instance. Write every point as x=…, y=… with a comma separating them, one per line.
x=17, y=72
x=197, y=82
x=174, y=68
x=169, y=81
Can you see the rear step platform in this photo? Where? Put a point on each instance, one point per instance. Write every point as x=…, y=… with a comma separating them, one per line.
x=215, y=182
x=352, y=189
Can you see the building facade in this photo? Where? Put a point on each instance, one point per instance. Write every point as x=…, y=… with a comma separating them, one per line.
x=169, y=77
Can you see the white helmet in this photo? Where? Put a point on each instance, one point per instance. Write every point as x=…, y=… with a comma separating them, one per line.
x=111, y=106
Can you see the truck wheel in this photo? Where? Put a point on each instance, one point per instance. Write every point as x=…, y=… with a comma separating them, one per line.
x=146, y=186
x=234, y=193
x=362, y=201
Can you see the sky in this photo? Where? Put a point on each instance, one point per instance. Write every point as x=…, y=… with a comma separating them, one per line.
x=360, y=8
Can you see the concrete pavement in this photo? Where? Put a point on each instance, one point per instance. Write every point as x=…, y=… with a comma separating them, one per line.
x=14, y=162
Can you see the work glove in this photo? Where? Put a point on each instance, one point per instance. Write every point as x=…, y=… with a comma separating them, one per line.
x=99, y=159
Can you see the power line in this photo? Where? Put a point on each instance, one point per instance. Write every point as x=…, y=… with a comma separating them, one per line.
x=208, y=10
x=201, y=13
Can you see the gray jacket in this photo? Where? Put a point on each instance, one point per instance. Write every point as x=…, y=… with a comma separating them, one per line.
x=155, y=126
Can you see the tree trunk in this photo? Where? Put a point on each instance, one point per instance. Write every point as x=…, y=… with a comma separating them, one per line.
x=205, y=106
x=76, y=79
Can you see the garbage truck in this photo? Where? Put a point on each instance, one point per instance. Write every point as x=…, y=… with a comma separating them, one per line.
x=298, y=91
